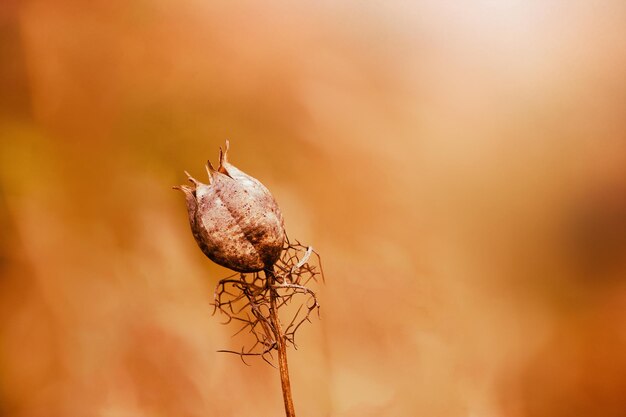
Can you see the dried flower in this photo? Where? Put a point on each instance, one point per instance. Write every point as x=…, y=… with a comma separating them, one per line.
x=237, y=224
x=234, y=219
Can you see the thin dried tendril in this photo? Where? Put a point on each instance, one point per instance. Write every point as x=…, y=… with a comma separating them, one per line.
x=245, y=299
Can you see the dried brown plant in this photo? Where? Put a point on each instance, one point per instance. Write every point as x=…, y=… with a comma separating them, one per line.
x=236, y=222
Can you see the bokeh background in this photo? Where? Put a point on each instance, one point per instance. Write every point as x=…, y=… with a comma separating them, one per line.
x=460, y=166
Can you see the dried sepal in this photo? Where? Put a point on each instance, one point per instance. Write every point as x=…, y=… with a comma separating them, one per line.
x=246, y=299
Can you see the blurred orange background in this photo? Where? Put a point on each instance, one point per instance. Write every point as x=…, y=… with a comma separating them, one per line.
x=460, y=166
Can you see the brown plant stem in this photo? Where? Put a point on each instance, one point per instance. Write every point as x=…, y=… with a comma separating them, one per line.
x=279, y=337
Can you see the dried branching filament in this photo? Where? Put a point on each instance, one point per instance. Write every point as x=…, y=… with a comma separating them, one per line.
x=249, y=300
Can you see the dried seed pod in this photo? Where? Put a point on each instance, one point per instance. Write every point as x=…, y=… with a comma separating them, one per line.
x=234, y=219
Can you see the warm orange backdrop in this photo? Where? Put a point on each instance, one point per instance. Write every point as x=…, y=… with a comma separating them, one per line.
x=461, y=167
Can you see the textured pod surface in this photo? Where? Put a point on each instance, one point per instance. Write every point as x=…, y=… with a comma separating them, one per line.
x=234, y=219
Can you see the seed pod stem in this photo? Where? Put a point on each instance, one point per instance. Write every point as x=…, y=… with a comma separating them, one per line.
x=279, y=336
